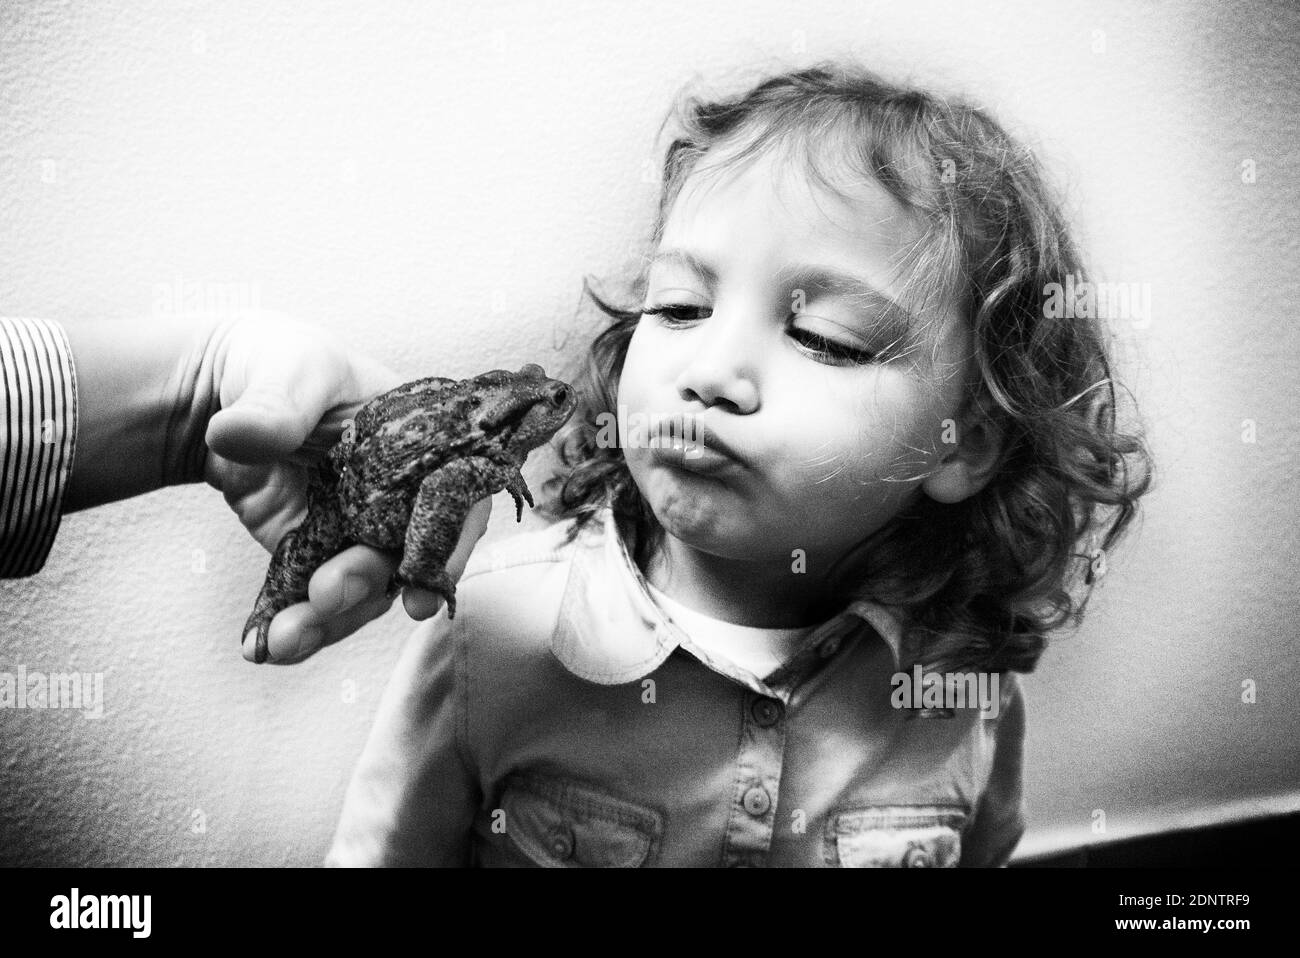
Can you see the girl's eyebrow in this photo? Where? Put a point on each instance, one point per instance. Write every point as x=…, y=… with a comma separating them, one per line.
x=688, y=260
x=810, y=277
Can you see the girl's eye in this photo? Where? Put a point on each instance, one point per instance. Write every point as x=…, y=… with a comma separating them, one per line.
x=829, y=351
x=824, y=350
x=675, y=315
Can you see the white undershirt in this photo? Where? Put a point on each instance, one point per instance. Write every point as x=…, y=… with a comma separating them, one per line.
x=760, y=651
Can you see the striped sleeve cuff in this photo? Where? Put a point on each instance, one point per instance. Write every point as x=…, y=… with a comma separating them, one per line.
x=38, y=434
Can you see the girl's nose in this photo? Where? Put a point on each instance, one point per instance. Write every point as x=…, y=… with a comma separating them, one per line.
x=720, y=367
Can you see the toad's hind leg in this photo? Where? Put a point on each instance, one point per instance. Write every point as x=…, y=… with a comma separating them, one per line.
x=438, y=517
x=301, y=551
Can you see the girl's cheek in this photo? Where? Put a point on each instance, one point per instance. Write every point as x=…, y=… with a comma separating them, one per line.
x=652, y=358
x=633, y=364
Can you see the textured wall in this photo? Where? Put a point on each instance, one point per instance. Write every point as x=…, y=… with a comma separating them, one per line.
x=433, y=180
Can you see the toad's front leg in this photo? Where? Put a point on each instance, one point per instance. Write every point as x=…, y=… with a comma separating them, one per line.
x=438, y=517
x=299, y=554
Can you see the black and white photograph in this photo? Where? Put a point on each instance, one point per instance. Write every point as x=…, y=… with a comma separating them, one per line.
x=649, y=434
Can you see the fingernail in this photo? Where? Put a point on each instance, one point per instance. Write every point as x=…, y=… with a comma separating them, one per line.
x=355, y=590
x=249, y=646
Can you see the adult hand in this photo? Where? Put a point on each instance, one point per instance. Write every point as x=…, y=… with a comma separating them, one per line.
x=285, y=390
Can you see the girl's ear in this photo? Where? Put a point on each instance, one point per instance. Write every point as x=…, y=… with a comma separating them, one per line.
x=970, y=462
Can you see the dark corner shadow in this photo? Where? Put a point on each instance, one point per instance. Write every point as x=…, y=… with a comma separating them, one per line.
x=1251, y=844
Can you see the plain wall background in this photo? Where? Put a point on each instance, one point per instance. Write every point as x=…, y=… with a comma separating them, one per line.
x=432, y=181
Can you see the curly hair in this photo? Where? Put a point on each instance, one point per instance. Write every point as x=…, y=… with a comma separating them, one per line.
x=979, y=583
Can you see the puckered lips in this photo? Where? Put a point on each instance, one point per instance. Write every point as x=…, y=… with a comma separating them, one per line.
x=705, y=453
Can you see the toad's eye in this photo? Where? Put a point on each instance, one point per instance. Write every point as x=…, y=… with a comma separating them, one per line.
x=674, y=315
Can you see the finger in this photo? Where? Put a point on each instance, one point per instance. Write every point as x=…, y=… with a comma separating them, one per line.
x=355, y=575
x=422, y=604
x=300, y=631
x=350, y=590
x=361, y=574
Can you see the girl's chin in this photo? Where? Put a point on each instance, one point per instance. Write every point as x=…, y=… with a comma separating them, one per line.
x=702, y=512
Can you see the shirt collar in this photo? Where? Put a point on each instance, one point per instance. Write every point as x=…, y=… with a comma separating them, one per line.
x=610, y=631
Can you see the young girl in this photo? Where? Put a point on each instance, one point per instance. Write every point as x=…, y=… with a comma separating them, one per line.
x=883, y=456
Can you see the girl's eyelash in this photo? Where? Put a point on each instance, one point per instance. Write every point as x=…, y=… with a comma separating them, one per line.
x=846, y=355
x=670, y=311
x=840, y=354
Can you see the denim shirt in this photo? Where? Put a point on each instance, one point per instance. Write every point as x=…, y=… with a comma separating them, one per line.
x=561, y=719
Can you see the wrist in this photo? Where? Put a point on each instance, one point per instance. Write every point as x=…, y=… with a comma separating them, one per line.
x=192, y=396
x=145, y=390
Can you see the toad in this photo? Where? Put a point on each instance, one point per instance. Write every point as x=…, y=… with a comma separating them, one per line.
x=404, y=474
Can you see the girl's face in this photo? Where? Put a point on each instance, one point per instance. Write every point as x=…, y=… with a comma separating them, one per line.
x=818, y=408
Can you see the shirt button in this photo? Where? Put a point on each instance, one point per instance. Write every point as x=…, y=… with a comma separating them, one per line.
x=757, y=801
x=766, y=712
x=917, y=858
x=561, y=842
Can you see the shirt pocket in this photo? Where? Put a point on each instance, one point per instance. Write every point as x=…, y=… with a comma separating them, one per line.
x=895, y=836
x=560, y=823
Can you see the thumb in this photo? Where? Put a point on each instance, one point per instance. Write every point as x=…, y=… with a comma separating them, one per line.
x=278, y=381
x=269, y=421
